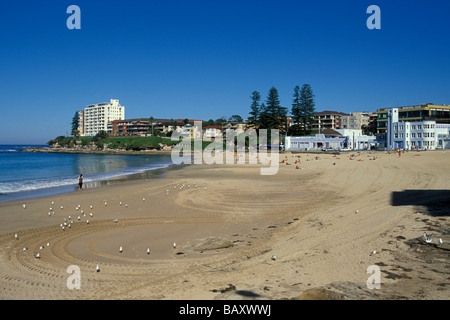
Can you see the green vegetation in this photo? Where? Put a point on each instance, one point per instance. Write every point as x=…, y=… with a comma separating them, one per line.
x=123, y=143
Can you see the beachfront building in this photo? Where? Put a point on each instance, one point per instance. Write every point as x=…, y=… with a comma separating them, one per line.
x=211, y=133
x=314, y=143
x=415, y=135
x=95, y=118
x=422, y=112
x=356, y=140
x=129, y=127
x=355, y=120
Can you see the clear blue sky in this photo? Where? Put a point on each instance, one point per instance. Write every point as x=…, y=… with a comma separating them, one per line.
x=202, y=59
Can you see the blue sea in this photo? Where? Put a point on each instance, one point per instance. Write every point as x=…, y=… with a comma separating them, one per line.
x=32, y=174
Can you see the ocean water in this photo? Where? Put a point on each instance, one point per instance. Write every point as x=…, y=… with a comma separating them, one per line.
x=33, y=174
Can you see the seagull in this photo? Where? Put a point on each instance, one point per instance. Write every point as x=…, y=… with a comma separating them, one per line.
x=120, y=202
x=53, y=203
x=37, y=255
x=274, y=257
x=105, y=204
x=97, y=268
x=126, y=205
x=24, y=206
x=356, y=211
x=49, y=213
x=62, y=207
x=427, y=238
x=25, y=249
x=373, y=252
x=440, y=241
x=143, y=199
x=91, y=207
x=174, y=245
x=91, y=214
x=120, y=249
x=41, y=247
x=116, y=220
x=148, y=250
x=87, y=221
x=63, y=228
x=79, y=218
x=16, y=236
x=51, y=209
x=48, y=244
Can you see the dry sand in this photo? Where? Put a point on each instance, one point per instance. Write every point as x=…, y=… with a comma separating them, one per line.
x=226, y=234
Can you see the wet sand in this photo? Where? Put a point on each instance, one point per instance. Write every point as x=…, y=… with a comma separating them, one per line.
x=322, y=218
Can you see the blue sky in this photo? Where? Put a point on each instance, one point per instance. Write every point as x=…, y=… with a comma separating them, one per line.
x=202, y=59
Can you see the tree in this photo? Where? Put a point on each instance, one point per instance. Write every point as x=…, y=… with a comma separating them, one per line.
x=273, y=115
x=151, y=119
x=236, y=118
x=75, y=125
x=303, y=108
x=255, y=109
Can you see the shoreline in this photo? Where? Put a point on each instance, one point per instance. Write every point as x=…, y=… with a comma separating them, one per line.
x=84, y=151
x=321, y=222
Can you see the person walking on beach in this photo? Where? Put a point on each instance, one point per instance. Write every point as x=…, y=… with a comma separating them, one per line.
x=80, y=182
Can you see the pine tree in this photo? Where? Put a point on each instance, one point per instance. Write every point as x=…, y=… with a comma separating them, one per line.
x=75, y=125
x=273, y=116
x=307, y=108
x=255, y=109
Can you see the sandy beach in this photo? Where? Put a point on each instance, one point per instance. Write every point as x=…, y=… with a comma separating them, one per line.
x=309, y=232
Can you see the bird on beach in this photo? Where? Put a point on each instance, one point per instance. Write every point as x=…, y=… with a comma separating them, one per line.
x=440, y=241
x=116, y=220
x=356, y=211
x=106, y=204
x=24, y=206
x=274, y=257
x=174, y=245
x=427, y=237
x=373, y=252
x=97, y=268
x=87, y=221
x=120, y=249
x=148, y=250
x=16, y=236
x=37, y=255
x=25, y=249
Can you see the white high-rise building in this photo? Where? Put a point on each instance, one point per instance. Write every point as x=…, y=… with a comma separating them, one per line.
x=94, y=118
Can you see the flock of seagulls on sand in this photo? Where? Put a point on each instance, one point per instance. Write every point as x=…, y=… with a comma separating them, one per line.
x=69, y=220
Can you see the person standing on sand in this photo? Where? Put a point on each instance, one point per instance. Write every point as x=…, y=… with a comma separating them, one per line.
x=80, y=182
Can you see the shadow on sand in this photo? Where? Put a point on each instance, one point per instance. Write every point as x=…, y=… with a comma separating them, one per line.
x=436, y=202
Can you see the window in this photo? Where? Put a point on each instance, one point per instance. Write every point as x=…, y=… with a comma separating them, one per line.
x=419, y=135
x=413, y=127
x=413, y=135
x=419, y=127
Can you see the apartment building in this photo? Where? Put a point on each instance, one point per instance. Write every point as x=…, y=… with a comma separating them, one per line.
x=95, y=118
x=327, y=120
x=422, y=112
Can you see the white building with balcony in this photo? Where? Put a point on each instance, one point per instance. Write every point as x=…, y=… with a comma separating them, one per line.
x=95, y=118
